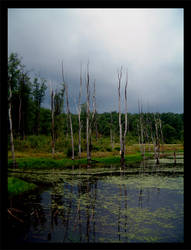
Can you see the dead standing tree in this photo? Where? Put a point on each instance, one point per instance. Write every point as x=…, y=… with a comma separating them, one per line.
x=88, y=113
x=52, y=116
x=119, y=106
x=141, y=129
x=70, y=120
x=111, y=132
x=125, y=132
x=122, y=136
x=158, y=137
x=68, y=112
x=79, y=114
x=11, y=127
x=92, y=121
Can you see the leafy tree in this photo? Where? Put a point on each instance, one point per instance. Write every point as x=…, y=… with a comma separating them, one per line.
x=58, y=106
x=20, y=83
x=39, y=88
x=169, y=133
x=45, y=121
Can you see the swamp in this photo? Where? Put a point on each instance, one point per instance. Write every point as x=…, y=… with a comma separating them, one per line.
x=95, y=122
x=101, y=203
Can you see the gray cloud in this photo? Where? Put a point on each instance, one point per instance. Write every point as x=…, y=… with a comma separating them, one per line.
x=147, y=41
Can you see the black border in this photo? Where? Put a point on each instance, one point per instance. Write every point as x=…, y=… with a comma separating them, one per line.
x=4, y=6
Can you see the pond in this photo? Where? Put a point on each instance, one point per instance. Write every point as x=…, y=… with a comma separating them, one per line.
x=115, y=206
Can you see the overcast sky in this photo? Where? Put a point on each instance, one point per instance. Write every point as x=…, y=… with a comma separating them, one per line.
x=149, y=42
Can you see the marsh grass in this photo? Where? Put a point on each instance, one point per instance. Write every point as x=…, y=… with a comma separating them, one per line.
x=44, y=160
x=17, y=186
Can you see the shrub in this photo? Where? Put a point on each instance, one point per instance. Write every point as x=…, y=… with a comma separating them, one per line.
x=95, y=148
x=108, y=149
x=69, y=151
x=40, y=142
x=117, y=148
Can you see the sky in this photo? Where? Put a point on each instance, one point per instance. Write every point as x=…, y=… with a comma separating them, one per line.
x=147, y=43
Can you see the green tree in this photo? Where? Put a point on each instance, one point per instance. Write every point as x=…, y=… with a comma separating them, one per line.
x=58, y=107
x=19, y=81
x=169, y=133
x=39, y=88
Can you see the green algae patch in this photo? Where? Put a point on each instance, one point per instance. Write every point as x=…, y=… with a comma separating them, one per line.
x=17, y=186
x=148, y=181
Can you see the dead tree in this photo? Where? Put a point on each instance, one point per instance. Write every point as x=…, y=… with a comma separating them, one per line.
x=157, y=140
x=141, y=130
x=121, y=135
x=11, y=127
x=111, y=131
x=88, y=113
x=70, y=120
x=125, y=131
x=92, y=121
x=161, y=134
x=52, y=116
x=79, y=114
x=119, y=106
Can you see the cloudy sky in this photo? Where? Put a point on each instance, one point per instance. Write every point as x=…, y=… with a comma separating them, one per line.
x=147, y=42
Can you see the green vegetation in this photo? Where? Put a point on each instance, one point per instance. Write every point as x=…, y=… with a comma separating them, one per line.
x=17, y=186
x=49, y=163
x=32, y=123
x=32, y=129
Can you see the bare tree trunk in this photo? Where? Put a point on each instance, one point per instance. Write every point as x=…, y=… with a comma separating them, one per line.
x=52, y=115
x=120, y=125
x=92, y=119
x=79, y=114
x=70, y=120
x=161, y=134
x=157, y=141
x=88, y=113
x=11, y=128
x=125, y=132
x=20, y=105
x=95, y=111
x=141, y=128
x=111, y=131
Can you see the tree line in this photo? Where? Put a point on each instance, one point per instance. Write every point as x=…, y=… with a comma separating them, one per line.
x=28, y=117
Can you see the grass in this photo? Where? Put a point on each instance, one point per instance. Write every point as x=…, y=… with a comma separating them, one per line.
x=43, y=160
x=17, y=186
x=50, y=163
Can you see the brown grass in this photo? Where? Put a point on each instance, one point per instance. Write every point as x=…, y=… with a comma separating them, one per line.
x=129, y=150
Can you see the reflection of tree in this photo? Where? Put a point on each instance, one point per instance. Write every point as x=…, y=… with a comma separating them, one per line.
x=68, y=214
x=79, y=214
x=125, y=201
x=36, y=210
x=88, y=213
x=93, y=209
x=89, y=189
x=76, y=207
x=119, y=212
x=25, y=211
x=56, y=202
x=140, y=197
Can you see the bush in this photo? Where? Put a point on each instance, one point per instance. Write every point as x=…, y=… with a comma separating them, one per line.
x=21, y=145
x=62, y=144
x=95, y=148
x=40, y=142
x=108, y=149
x=117, y=148
x=69, y=151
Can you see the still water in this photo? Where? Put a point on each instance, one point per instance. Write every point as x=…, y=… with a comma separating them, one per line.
x=102, y=208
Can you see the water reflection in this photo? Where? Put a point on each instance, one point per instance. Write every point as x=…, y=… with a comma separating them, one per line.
x=120, y=208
